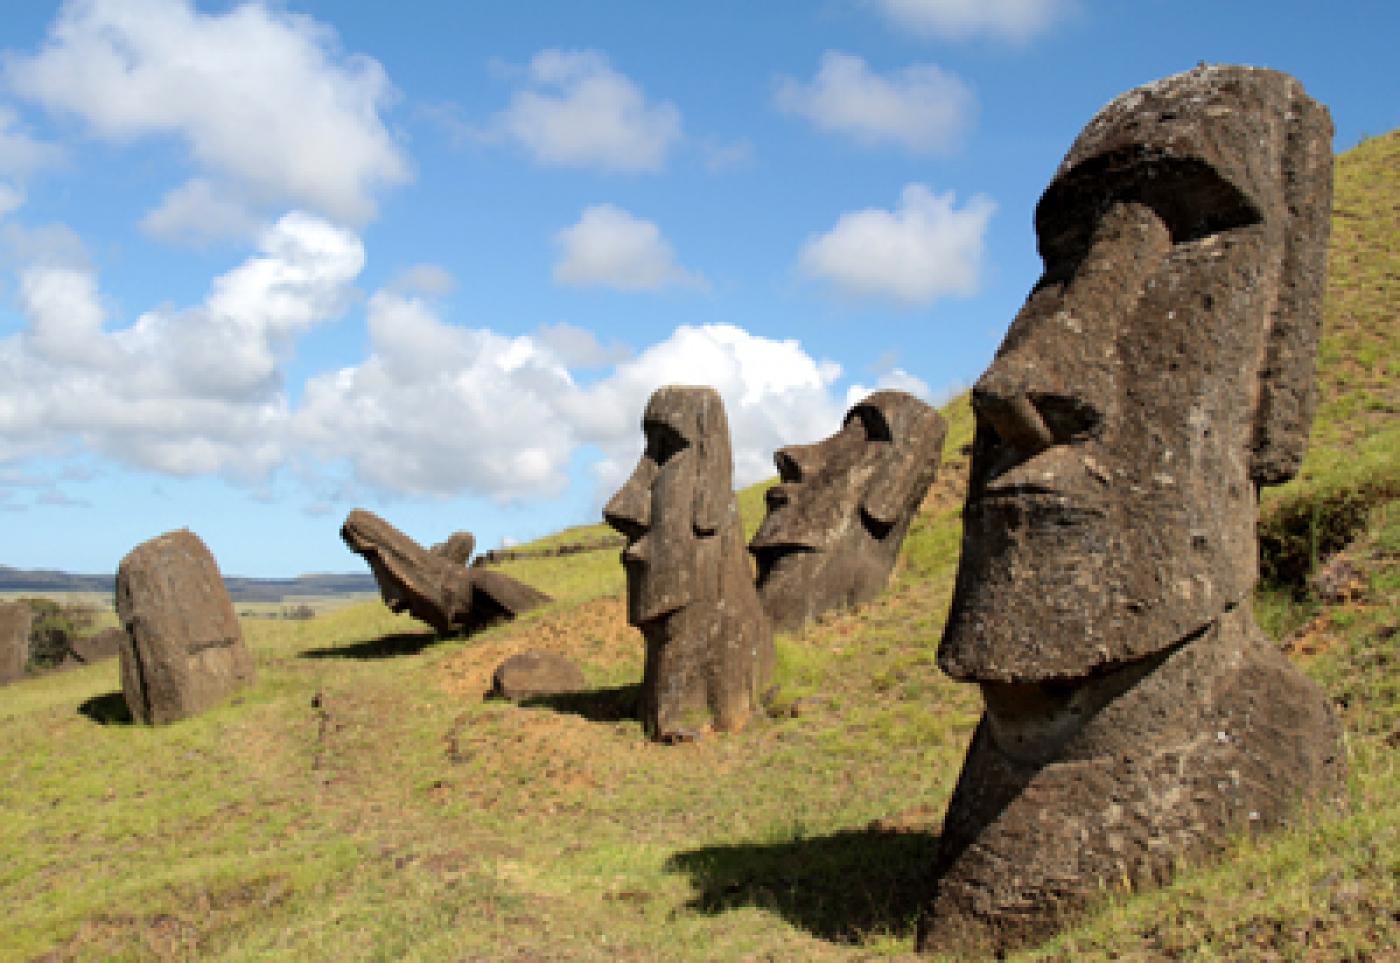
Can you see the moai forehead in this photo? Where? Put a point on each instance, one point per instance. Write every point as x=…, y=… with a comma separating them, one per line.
x=1208, y=150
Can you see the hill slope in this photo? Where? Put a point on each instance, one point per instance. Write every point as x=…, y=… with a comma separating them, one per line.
x=362, y=801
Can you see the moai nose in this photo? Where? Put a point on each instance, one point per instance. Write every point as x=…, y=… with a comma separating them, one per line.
x=1011, y=413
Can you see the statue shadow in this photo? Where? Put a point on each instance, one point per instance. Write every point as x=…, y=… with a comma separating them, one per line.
x=386, y=647
x=843, y=887
x=614, y=704
x=108, y=709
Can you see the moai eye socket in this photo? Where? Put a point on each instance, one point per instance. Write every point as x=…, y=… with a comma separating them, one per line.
x=663, y=442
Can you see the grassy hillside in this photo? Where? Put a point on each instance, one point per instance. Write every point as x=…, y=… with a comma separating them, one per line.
x=363, y=802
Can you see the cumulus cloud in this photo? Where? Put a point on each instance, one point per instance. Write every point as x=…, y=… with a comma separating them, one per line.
x=11, y=198
x=577, y=111
x=921, y=108
x=925, y=249
x=261, y=97
x=187, y=392
x=774, y=394
x=1016, y=21
x=433, y=280
x=22, y=155
x=197, y=213
x=438, y=409
x=611, y=248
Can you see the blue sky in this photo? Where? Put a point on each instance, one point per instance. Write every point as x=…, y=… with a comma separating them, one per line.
x=261, y=263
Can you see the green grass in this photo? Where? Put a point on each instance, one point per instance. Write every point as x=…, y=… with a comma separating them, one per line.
x=362, y=801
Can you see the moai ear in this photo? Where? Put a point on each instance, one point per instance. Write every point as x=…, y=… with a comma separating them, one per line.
x=714, y=468
x=908, y=470
x=1287, y=392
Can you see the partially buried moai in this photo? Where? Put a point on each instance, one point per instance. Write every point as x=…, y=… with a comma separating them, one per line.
x=842, y=507
x=1159, y=373
x=182, y=650
x=709, y=649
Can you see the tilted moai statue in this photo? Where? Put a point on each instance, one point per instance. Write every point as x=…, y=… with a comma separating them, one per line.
x=182, y=650
x=1158, y=374
x=709, y=649
x=842, y=507
x=434, y=585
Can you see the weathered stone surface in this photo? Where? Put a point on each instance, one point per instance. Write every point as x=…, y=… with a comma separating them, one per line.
x=842, y=507
x=458, y=547
x=536, y=672
x=95, y=648
x=16, y=620
x=434, y=586
x=709, y=648
x=182, y=649
x=1160, y=371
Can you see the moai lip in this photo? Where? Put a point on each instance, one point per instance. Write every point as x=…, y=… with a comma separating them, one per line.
x=842, y=507
x=709, y=648
x=1159, y=373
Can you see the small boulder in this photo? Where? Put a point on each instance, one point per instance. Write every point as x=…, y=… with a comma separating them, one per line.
x=536, y=673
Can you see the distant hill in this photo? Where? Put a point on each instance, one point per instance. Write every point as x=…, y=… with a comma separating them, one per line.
x=45, y=581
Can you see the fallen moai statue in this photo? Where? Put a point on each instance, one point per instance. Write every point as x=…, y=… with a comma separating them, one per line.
x=842, y=507
x=709, y=648
x=182, y=650
x=536, y=672
x=1158, y=374
x=16, y=621
x=435, y=585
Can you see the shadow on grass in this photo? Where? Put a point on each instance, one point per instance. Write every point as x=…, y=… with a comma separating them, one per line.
x=615, y=704
x=108, y=709
x=843, y=887
x=386, y=647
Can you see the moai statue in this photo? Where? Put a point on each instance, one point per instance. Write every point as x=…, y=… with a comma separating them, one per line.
x=16, y=621
x=183, y=649
x=435, y=585
x=842, y=507
x=1159, y=373
x=709, y=649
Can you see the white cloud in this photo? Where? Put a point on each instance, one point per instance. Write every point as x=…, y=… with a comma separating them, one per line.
x=20, y=154
x=577, y=111
x=896, y=379
x=11, y=198
x=438, y=408
x=261, y=97
x=923, y=250
x=611, y=248
x=434, y=280
x=774, y=394
x=578, y=347
x=187, y=392
x=920, y=108
x=195, y=213
x=1016, y=21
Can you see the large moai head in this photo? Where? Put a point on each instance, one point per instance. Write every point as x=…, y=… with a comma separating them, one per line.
x=842, y=507
x=689, y=586
x=1159, y=372
x=673, y=507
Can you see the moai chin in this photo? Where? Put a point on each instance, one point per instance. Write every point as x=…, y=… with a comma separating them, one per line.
x=1159, y=373
x=842, y=507
x=709, y=649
